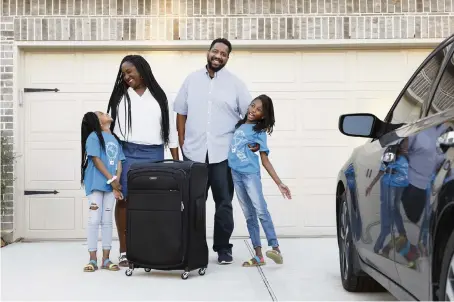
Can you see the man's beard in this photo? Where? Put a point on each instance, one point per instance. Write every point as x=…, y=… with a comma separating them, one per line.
x=215, y=69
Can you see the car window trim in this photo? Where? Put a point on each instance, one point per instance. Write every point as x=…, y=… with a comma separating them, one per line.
x=434, y=87
x=442, y=45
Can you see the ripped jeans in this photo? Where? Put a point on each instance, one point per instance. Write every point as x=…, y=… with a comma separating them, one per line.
x=100, y=207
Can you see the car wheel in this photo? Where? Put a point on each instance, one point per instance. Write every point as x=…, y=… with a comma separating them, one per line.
x=350, y=280
x=446, y=292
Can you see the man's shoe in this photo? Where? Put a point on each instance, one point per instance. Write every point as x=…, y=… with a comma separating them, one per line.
x=225, y=257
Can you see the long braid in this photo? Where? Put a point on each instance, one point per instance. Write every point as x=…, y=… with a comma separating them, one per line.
x=120, y=92
x=90, y=124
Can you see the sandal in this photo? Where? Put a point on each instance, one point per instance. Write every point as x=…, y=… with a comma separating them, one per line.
x=275, y=256
x=123, y=261
x=108, y=265
x=91, y=266
x=256, y=261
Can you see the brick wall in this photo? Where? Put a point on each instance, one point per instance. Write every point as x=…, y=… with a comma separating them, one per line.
x=206, y=19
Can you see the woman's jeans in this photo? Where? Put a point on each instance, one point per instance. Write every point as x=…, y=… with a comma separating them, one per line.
x=390, y=197
x=100, y=206
x=135, y=153
x=248, y=189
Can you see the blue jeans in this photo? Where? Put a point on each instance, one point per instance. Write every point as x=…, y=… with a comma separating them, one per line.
x=248, y=189
x=390, y=197
x=135, y=153
x=100, y=214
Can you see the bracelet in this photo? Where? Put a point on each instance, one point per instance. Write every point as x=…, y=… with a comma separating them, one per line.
x=112, y=179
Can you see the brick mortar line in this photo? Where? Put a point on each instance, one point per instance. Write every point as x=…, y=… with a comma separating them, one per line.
x=230, y=16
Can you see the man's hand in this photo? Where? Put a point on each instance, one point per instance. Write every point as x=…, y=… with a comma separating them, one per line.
x=254, y=148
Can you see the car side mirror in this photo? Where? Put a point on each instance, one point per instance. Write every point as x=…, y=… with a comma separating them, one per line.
x=358, y=124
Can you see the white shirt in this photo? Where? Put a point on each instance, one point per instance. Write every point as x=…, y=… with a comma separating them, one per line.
x=146, y=121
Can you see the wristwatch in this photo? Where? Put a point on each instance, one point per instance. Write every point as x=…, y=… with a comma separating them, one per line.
x=112, y=179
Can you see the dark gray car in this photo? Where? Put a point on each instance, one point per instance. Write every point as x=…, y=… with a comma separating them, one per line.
x=395, y=194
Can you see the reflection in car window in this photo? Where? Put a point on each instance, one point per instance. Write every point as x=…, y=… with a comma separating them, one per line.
x=409, y=106
x=444, y=95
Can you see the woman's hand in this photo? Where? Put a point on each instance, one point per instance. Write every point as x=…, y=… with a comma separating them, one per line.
x=285, y=191
x=369, y=188
x=118, y=195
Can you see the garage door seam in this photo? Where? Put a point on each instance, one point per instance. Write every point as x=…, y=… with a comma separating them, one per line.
x=262, y=274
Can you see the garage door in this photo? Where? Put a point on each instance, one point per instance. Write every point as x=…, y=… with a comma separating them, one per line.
x=310, y=91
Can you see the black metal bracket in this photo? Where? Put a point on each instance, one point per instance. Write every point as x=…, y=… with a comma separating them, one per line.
x=40, y=90
x=55, y=192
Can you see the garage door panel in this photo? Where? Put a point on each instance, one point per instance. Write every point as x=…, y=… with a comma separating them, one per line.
x=319, y=210
x=315, y=115
x=283, y=211
x=51, y=213
x=322, y=161
x=318, y=185
x=321, y=138
x=324, y=71
x=51, y=117
x=370, y=67
x=94, y=102
x=52, y=70
x=98, y=74
x=261, y=72
x=52, y=166
x=160, y=61
x=283, y=160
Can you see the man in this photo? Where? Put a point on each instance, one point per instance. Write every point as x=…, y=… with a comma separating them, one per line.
x=216, y=100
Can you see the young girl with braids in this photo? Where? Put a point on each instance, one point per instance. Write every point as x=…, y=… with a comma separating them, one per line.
x=102, y=158
x=143, y=122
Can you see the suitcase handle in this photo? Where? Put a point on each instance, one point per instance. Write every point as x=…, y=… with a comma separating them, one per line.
x=168, y=161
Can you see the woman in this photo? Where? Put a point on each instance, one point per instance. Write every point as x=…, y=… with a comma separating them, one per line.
x=144, y=124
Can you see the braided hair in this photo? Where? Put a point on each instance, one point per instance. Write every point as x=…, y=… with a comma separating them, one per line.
x=120, y=91
x=90, y=123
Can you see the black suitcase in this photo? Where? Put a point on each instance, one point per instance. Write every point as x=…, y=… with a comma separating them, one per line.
x=166, y=217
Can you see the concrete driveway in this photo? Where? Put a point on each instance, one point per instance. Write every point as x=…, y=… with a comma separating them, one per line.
x=53, y=271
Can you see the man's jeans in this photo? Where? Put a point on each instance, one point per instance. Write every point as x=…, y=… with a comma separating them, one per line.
x=220, y=181
x=248, y=189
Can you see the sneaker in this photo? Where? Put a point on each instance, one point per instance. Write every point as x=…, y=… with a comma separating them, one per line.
x=123, y=261
x=225, y=257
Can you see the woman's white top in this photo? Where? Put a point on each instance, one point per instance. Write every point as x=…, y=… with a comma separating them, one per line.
x=146, y=121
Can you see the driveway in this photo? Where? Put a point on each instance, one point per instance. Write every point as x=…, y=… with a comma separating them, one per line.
x=53, y=271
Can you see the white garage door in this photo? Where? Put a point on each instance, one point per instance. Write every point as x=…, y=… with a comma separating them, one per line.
x=310, y=91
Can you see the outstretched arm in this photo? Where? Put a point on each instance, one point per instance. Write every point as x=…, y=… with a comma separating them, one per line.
x=270, y=169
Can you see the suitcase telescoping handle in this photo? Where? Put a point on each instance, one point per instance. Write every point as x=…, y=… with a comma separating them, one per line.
x=168, y=161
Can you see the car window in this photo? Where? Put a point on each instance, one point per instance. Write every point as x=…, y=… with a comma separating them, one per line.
x=444, y=95
x=409, y=106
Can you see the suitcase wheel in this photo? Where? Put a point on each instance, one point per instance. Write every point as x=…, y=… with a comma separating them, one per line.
x=202, y=271
x=185, y=275
x=147, y=270
x=128, y=272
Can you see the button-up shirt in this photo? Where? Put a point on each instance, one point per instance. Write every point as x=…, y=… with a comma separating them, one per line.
x=213, y=107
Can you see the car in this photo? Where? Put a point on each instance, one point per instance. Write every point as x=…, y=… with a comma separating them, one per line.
x=395, y=193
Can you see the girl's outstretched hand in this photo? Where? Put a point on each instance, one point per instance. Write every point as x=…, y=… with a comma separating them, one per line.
x=118, y=195
x=285, y=191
